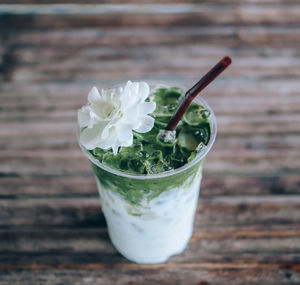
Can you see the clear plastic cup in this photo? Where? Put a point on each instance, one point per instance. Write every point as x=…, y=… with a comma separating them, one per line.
x=151, y=217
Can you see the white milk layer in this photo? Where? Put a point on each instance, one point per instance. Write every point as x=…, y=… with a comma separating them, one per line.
x=159, y=229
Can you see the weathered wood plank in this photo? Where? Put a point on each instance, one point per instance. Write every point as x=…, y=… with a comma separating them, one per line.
x=62, y=212
x=18, y=22
x=20, y=187
x=130, y=37
x=228, y=125
x=190, y=274
x=228, y=36
x=257, y=142
x=73, y=162
x=212, y=185
x=67, y=141
x=210, y=240
x=165, y=73
x=249, y=185
x=161, y=68
x=88, y=249
x=97, y=261
x=192, y=56
x=209, y=250
x=49, y=109
x=236, y=87
x=146, y=14
x=245, y=210
x=36, y=142
x=237, y=124
x=39, y=50
x=77, y=66
x=212, y=211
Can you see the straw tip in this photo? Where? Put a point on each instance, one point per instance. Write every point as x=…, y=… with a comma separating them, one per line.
x=227, y=60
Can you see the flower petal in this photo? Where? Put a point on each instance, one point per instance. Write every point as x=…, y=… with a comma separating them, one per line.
x=115, y=147
x=103, y=109
x=111, y=141
x=143, y=91
x=126, y=92
x=106, y=143
x=94, y=95
x=130, y=115
x=128, y=143
x=83, y=116
x=124, y=132
x=147, y=124
x=146, y=108
x=133, y=96
x=90, y=137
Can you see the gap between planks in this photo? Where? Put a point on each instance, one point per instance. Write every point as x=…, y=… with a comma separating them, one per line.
x=295, y=266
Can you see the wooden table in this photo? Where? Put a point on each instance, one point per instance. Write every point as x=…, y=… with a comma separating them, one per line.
x=247, y=228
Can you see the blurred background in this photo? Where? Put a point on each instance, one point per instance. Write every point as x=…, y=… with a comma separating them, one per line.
x=53, y=52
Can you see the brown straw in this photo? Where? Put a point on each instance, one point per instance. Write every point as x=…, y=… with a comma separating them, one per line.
x=191, y=94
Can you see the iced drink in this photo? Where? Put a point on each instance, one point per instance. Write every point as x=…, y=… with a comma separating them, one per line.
x=149, y=189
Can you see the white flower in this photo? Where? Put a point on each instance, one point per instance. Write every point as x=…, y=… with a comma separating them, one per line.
x=109, y=117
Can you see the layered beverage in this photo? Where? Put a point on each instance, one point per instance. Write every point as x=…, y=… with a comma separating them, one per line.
x=148, y=178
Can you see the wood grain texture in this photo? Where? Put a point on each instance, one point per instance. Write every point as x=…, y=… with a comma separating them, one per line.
x=223, y=36
x=247, y=226
x=147, y=15
x=84, y=185
x=216, y=273
x=85, y=212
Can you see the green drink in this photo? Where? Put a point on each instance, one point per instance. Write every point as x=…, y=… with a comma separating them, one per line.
x=149, y=188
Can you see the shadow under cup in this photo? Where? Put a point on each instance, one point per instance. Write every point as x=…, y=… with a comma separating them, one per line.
x=151, y=217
